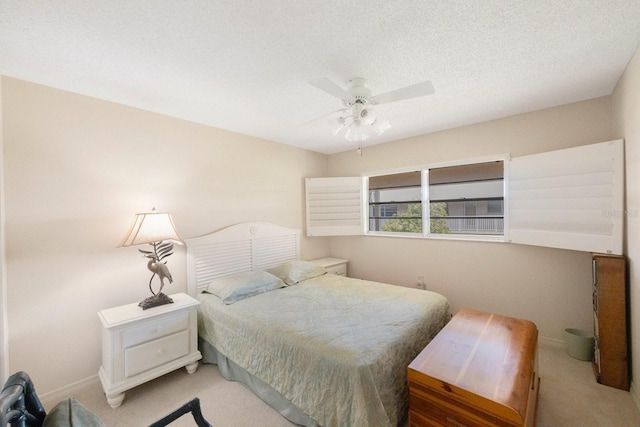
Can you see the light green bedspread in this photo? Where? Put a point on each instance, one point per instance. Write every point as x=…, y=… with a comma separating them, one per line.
x=338, y=348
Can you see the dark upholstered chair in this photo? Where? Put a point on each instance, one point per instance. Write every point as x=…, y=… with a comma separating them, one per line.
x=21, y=407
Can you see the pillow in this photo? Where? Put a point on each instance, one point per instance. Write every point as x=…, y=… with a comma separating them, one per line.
x=70, y=412
x=292, y=272
x=234, y=288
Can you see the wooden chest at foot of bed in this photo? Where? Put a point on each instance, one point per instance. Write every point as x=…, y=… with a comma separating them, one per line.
x=480, y=370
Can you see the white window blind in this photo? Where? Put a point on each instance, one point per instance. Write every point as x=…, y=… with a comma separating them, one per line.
x=334, y=206
x=569, y=199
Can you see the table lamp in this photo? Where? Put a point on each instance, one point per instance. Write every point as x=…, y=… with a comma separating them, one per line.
x=156, y=229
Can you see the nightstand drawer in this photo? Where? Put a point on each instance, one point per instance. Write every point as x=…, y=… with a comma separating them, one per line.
x=155, y=329
x=340, y=270
x=155, y=353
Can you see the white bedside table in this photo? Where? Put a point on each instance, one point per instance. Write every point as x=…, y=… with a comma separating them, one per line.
x=333, y=265
x=140, y=345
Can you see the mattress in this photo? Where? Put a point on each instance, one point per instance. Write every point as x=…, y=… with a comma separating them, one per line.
x=337, y=348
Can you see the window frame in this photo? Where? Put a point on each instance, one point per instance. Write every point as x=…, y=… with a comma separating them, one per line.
x=425, y=201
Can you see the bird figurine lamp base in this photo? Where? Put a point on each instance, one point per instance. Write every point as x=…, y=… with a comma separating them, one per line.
x=155, y=300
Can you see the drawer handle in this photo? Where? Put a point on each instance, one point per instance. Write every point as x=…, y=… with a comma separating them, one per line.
x=160, y=351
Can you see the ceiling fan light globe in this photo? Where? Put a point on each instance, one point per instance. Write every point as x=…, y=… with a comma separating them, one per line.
x=341, y=125
x=355, y=132
x=379, y=126
x=367, y=116
x=349, y=136
x=348, y=121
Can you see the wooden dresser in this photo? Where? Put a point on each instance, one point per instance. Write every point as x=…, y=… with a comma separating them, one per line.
x=611, y=358
x=480, y=370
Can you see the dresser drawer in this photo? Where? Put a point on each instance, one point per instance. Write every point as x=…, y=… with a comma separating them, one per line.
x=155, y=353
x=158, y=328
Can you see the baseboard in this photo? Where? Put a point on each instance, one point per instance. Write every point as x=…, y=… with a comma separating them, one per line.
x=551, y=342
x=50, y=399
x=635, y=395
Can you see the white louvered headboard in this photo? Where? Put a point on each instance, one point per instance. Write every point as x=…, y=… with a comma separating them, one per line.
x=238, y=248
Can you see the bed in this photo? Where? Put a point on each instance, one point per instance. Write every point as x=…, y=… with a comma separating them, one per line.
x=322, y=349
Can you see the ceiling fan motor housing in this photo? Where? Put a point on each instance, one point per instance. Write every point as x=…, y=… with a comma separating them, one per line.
x=359, y=90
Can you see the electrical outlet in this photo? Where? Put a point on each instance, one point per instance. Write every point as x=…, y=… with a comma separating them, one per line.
x=420, y=283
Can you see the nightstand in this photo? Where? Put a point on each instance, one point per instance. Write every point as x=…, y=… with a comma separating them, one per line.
x=333, y=265
x=140, y=345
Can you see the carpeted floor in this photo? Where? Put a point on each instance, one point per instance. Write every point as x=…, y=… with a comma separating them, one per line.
x=569, y=396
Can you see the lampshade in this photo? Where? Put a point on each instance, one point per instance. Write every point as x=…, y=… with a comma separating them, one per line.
x=150, y=228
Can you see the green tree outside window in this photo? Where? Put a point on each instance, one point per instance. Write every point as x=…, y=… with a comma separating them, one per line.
x=411, y=220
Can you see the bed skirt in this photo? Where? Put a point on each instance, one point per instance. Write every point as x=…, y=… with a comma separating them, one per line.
x=232, y=372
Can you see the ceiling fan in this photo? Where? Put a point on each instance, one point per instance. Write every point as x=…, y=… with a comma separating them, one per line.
x=357, y=100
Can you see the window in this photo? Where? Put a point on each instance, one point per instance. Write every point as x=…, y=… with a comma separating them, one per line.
x=395, y=203
x=462, y=199
x=467, y=199
x=568, y=199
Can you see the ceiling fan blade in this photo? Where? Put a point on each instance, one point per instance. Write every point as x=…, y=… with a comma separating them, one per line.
x=408, y=92
x=323, y=116
x=330, y=87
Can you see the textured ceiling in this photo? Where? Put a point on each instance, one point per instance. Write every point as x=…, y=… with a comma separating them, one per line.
x=244, y=65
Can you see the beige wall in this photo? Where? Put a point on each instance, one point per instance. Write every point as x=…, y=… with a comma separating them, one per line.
x=626, y=108
x=77, y=169
x=4, y=362
x=548, y=286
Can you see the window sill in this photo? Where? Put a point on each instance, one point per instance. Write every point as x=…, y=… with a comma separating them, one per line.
x=454, y=237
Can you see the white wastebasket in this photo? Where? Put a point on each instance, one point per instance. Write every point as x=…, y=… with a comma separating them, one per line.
x=580, y=344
